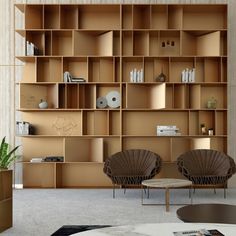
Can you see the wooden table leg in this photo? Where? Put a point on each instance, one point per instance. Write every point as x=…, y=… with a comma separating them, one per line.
x=167, y=199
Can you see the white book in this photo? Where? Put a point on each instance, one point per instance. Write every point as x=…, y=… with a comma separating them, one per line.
x=131, y=76
x=31, y=49
x=138, y=76
x=183, y=76
x=168, y=134
x=27, y=48
x=186, y=75
x=167, y=127
x=192, y=80
x=135, y=76
x=189, y=75
x=141, y=76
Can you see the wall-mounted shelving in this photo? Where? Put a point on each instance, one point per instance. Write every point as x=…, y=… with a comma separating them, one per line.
x=103, y=44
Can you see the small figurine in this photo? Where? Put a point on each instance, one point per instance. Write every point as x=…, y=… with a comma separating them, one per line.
x=161, y=77
x=211, y=103
x=203, y=129
x=43, y=104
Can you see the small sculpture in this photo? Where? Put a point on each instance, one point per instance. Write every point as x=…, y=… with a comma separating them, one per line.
x=161, y=77
x=211, y=103
x=43, y=104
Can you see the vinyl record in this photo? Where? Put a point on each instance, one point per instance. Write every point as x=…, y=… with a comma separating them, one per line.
x=113, y=99
x=101, y=102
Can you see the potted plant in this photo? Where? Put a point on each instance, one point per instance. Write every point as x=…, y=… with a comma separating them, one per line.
x=6, y=156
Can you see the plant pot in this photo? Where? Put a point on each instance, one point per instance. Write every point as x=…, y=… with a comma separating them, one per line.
x=5, y=199
x=3, y=169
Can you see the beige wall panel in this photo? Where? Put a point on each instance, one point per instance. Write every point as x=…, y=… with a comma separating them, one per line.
x=83, y=174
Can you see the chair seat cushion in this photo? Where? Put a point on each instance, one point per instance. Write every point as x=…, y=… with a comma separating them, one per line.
x=208, y=179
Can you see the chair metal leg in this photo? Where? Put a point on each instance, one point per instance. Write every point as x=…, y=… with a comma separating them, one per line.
x=113, y=190
x=148, y=193
x=124, y=189
x=191, y=194
x=224, y=190
x=193, y=190
x=144, y=191
x=215, y=190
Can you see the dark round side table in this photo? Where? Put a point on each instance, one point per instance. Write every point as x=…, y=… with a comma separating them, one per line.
x=208, y=213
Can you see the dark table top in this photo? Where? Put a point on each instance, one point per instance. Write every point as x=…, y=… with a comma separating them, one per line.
x=208, y=213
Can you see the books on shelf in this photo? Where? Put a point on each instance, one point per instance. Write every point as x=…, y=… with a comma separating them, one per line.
x=31, y=49
x=47, y=159
x=37, y=159
x=136, y=76
x=188, y=75
x=68, y=78
x=167, y=130
x=77, y=80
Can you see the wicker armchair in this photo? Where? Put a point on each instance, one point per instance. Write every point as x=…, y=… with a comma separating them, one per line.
x=206, y=167
x=131, y=167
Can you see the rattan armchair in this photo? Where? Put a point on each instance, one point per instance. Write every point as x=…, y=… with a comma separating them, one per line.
x=206, y=167
x=131, y=167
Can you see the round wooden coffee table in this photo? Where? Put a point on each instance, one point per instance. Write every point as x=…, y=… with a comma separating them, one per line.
x=167, y=184
x=208, y=213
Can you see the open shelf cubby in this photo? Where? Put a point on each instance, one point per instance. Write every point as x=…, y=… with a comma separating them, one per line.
x=139, y=51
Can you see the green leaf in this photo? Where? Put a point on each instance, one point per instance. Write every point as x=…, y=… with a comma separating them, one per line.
x=6, y=158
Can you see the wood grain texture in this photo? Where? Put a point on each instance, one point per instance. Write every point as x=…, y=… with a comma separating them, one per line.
x=7, y=60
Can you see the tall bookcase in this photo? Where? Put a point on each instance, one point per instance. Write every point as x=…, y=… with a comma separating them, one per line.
x=102, y=44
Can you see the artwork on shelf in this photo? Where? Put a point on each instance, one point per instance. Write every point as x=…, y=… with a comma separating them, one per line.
x=43, y=104
x=168, y=43
x=210, y=131
x=101, y=102
x=211, y=103
x=111, y=100
x=203, y=129
x=64, y=125
x=161, y=77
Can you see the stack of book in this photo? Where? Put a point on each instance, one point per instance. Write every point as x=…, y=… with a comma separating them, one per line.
x=31, y=49
x=136, y=76
x=37, y=159
x=77, y=80
x=167, y=130
x=188, y=75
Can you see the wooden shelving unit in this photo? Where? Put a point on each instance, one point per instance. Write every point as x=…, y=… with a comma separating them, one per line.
x=103, y=44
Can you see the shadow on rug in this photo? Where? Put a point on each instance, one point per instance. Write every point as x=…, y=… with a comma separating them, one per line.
x=73, y=229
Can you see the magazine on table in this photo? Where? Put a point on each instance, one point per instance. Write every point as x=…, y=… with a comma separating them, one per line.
x=200, y=232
